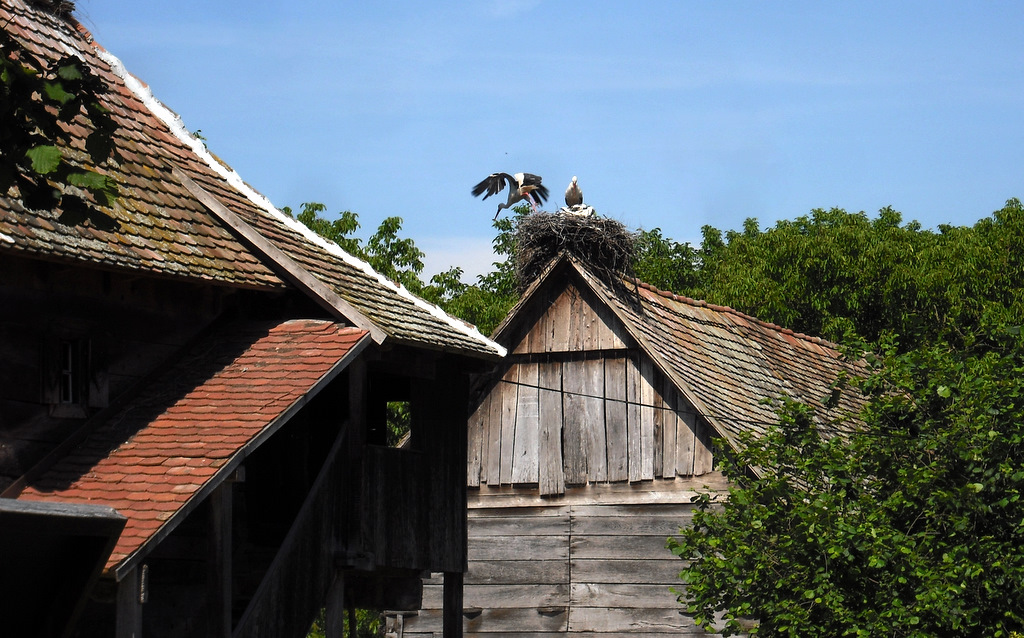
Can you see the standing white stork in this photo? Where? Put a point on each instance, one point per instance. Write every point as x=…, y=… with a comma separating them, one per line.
x=573, y=194
x=520, y=186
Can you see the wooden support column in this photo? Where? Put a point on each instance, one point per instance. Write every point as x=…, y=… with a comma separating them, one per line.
x=453, y=604
x=219, y=594
x=129, y=604
x=336, y=608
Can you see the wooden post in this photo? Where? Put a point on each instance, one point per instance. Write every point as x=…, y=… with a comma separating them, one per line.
x=129, y=605
x=452, y=604
x=336, y=608
x=219, y=594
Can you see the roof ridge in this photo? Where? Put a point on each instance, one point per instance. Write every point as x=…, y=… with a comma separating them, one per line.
x=177, y=128
x=700, y=303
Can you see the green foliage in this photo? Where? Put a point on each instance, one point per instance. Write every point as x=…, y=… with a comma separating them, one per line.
x=834, y=274
x=37, y=101
x=369, y=624
x=665, y=263
x=910, y=527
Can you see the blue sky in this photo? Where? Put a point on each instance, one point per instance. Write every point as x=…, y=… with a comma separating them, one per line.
x=672, y=114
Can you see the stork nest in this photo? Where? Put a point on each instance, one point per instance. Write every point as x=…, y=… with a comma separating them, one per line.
x=603, y=245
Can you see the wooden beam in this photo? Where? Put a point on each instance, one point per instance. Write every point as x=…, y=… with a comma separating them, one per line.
x=452, y=604
x=129, y=604
x=336, y=608
x=282, y=264
x=219, y=592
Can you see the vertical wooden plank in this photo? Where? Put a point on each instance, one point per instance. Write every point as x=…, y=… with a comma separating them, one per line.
x=552, y=479
x=658, y=406
x=574, y=441
x=576, y=319
x=646, y=419
x=607, y=325
x=615, y=418
x=218, y=597
x=669, y=421
x=335, y=608
x=475, y=441
x=702, y=452
x=685, y=436
x=492, y=474
x=527, y=426
x=589, y=338
x=509, y=397
x=595, y=437
x=129, y=606
x=633, y=441
x=559, y=317
x=452, y=612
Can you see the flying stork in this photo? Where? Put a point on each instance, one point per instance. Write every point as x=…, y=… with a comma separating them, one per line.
x=573, y=194
x=520, y=186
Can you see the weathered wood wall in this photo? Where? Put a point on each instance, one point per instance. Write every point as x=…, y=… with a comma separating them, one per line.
x=580, y=403
x=591, y=562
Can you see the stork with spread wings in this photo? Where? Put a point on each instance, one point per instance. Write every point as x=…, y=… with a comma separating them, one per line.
x=520, y=186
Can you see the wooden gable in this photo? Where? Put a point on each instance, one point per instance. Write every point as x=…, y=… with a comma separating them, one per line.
x=579, y=402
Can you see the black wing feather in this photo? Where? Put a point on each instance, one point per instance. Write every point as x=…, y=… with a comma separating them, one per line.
x=541, y=193
x=493, y=184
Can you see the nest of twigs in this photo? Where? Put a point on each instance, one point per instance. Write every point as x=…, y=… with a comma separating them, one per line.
x=603, y=245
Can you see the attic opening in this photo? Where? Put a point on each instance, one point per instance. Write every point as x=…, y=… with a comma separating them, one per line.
x=389, y=413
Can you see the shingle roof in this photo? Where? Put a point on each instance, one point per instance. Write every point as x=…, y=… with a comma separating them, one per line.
x=184, y=433
x=727, y=362
x=164, y=229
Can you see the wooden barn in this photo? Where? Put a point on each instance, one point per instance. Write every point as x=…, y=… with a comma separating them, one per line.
x=194, y=394
x=587, y=445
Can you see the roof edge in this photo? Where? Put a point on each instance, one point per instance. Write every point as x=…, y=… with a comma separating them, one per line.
x=293, y=272
x=122, y=569
x=641, y=339
x=179, y=131
x=699, y=303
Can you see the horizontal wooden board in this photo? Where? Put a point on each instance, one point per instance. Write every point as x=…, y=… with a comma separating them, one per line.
x=629, y=509
x=553, y=619
x=510, y=596
x=517, y=572
x=596, y=619
x=533, y=634
x=519, y=512
x=524, y=548
x=659, y=491
x=589, y=570
x=620, y=547
x=509, y=526
x=628, y=525
x=621, y=595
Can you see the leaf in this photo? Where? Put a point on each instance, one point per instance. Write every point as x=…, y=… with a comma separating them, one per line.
x=70, y=72
x=944, y=391
x=55, y=91
x=89, y=180
x=45, y=158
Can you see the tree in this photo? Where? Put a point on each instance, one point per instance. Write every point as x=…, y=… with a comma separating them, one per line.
x=909, y=526
x=665, y=263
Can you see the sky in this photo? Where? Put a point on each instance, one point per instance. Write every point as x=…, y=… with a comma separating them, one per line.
x=673, y=115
